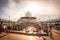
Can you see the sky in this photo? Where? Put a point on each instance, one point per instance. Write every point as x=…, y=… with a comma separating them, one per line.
x=42, y=9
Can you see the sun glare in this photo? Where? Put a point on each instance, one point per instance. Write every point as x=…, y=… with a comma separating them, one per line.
x=32, y=7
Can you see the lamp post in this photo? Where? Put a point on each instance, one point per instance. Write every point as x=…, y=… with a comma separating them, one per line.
x=9, y=18
x=49, y=19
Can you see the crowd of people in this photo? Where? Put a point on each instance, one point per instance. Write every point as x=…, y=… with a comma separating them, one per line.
x=45, y=28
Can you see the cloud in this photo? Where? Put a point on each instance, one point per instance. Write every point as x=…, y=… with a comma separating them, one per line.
x=16, y=8
x=3, y=3
x=17, y=1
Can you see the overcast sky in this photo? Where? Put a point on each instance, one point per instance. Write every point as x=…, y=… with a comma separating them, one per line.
x=42, y=9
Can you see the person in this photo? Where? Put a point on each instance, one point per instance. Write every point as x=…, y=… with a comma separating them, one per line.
x=1, y=28
x=50, y=33
x=45, y=29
